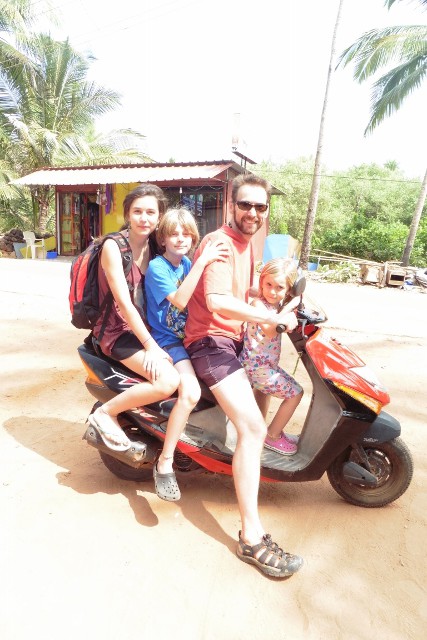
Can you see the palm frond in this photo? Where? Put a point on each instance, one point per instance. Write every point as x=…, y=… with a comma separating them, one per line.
x=390, y=91
x=378, y=48
x=389, y=3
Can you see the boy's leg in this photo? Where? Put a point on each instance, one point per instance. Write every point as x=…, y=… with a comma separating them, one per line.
x=188, y=396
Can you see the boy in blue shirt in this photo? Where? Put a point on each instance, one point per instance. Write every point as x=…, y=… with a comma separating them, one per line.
x=169, y=283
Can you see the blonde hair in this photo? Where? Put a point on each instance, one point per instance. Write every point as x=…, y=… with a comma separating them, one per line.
x=169, y=222
x=285, y=267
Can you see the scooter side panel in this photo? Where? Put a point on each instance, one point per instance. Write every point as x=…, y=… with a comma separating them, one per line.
x=336, y=362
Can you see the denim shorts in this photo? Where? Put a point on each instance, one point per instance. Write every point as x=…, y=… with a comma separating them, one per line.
x=177, y=352
x=214, y=358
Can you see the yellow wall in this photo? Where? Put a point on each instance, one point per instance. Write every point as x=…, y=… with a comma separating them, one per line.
x=113, y=221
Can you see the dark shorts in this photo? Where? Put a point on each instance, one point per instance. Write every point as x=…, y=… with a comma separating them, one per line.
x=214, y=358
x=126, y=346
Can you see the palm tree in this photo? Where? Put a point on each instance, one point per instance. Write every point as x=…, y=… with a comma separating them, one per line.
x=315, y=187
x=47, y=110
x=376, y=49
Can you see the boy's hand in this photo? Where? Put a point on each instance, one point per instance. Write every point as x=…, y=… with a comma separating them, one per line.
x=213, y=251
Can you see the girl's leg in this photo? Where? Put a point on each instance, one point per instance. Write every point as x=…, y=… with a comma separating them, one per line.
x=279, y=383
x=283, y=415
x=263, y=402
x=188, y=396
x=138, y=395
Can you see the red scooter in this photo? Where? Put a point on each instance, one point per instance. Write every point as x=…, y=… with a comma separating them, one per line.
x=345, y=434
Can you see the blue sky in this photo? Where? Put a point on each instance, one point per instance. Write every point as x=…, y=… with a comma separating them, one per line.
x=184, y=67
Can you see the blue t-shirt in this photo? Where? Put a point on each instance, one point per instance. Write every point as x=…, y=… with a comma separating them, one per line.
x=167, y=322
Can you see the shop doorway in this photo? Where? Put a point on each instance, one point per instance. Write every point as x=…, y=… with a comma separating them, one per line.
x=79, y=221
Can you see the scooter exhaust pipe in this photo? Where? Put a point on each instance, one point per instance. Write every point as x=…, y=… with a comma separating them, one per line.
x=136, y=456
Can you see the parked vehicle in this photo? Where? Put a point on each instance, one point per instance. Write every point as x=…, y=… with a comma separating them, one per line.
x=346, y=432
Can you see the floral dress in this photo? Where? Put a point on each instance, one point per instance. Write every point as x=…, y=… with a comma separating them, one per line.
x=260, y=358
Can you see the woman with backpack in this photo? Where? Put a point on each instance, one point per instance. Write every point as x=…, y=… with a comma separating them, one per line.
x=120, y=330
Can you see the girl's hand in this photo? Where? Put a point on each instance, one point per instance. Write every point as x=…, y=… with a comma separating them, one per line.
x=153, y=359
x=213, y=251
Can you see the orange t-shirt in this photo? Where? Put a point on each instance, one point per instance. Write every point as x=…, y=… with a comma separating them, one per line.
x=230, y=278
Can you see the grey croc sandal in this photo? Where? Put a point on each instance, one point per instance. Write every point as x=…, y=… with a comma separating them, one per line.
x=166, y=485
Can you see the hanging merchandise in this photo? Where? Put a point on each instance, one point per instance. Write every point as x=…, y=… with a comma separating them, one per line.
x=109, y=198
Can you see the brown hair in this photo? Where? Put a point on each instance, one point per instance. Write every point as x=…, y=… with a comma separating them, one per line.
x=141, y=191
x=169, y=222
x=249, y=178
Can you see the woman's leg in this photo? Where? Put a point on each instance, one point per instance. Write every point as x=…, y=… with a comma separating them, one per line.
x=188, y=396
x=135, y=396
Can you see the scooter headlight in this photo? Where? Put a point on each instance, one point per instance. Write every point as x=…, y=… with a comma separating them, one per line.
x=371, y=403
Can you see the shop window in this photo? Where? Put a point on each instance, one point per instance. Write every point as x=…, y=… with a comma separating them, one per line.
x=205, y=204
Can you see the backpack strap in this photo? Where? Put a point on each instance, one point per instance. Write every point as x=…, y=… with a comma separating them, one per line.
x=127, y=260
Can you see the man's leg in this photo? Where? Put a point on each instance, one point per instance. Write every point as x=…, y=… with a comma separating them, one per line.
x=235, y=397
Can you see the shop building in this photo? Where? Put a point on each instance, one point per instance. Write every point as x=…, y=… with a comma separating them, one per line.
x=89, y=199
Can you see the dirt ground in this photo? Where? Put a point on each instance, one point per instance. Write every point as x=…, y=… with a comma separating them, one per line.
x=86, y=555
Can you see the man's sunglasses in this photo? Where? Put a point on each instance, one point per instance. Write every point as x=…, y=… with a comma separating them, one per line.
x=247, y=206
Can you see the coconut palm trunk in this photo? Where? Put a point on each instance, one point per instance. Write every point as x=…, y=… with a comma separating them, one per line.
x=315, y=187
x=415, y=222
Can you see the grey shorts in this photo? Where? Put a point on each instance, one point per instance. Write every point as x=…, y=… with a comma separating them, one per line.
x=214, y=358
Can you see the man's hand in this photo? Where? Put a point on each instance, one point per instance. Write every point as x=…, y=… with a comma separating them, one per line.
x=289, y=320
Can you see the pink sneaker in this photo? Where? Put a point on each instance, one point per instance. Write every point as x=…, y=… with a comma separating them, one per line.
x=283, y=445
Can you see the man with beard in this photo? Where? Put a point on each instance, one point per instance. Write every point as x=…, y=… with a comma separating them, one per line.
x=214, y=333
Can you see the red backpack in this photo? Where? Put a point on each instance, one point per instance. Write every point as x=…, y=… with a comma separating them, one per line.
x=84, y=289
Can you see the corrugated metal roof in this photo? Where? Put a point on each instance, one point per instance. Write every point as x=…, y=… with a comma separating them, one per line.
x=126, y=174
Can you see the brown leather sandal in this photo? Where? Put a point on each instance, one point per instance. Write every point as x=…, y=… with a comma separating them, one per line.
x=268, y=557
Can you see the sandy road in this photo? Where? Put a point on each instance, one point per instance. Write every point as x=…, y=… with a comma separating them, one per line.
x=85, y=555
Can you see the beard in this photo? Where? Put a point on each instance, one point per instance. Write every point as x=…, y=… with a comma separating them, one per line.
x=248, y=228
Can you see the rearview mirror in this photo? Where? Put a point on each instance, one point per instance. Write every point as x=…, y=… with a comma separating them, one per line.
x=298, y=287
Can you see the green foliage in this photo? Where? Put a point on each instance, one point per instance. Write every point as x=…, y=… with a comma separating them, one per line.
x=368, y=239
x=338, y=272
x=47, y=114
x=364, y=212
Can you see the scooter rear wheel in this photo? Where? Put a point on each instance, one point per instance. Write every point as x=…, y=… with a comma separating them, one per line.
x=124, y=471
x=391, y=463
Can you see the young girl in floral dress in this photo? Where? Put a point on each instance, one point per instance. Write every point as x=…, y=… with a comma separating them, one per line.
x=261, y=354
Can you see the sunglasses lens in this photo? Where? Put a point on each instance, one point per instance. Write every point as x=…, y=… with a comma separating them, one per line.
x=247, y=206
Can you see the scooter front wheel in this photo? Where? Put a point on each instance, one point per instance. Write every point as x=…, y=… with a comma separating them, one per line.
x=391, y=464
